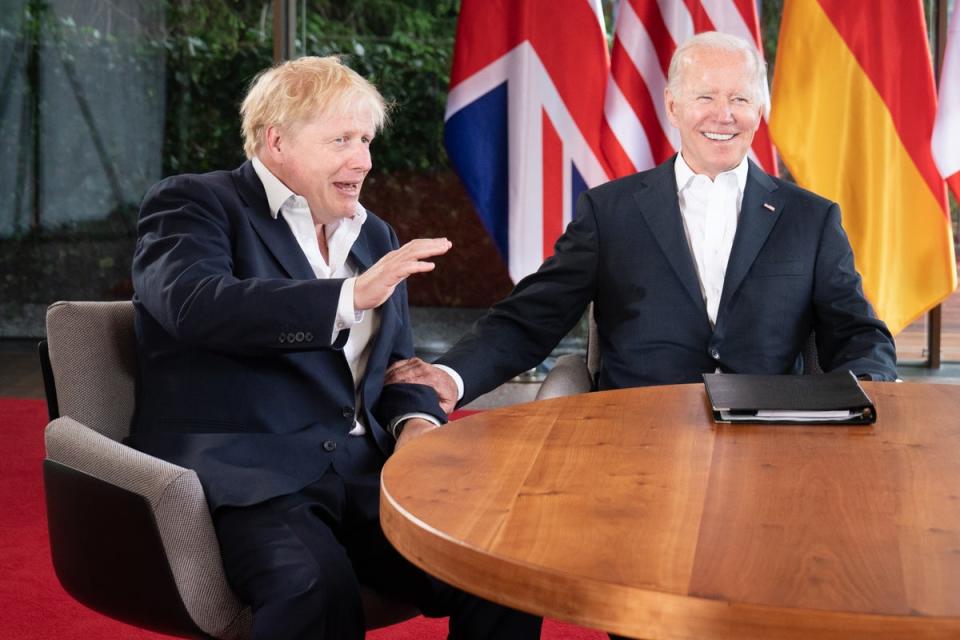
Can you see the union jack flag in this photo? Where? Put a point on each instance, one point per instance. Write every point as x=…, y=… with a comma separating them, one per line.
x=524, y=116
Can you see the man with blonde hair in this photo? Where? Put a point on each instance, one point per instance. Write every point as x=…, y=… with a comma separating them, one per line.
x=268, y=305
x=702, y=264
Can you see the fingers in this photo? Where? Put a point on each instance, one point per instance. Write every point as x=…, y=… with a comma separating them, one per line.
x=416, y=371
x=402, y=370
x=409, y=258
x=378, y=283
x=419, y=373
x=425, y=248
x=448, y=404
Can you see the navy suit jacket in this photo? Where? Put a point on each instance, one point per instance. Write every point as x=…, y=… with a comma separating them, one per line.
x=237, y=375
x=790, y=272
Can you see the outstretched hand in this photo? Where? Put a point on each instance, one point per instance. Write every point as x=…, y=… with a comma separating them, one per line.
x=416, y=371
x=377, y=283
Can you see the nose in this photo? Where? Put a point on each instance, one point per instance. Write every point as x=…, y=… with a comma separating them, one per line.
x=724, y=112
x=360, y=159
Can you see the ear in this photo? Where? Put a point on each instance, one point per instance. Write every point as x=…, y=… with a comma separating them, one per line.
x=756, y=125
x=273, y=144
x=670, y=105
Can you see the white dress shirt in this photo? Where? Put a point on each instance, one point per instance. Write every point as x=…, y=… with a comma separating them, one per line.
x=710, y=209
x=340, y=238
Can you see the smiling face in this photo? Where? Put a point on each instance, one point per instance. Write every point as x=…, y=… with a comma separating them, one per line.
x=324, y=160
x=715, y=109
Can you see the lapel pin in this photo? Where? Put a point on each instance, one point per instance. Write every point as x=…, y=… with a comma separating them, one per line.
x=769, y=206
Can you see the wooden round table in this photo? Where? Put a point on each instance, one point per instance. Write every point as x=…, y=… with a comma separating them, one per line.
x=632, y=512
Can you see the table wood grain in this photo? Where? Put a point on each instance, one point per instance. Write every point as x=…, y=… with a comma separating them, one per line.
x=631, y=511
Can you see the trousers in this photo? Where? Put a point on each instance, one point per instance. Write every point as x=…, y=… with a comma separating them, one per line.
x=298, y=560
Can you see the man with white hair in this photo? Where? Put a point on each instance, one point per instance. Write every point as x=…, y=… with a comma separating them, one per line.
x=704, y=263
x=268, y=305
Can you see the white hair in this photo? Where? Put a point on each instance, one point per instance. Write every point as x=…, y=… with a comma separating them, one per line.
x=725, y=42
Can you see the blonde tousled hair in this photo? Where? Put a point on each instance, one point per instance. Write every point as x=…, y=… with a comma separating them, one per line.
x=296, y=91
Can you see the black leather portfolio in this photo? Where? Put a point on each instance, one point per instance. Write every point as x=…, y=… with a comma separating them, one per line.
x=830, y=398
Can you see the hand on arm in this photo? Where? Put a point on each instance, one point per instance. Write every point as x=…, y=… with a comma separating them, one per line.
x=375, y=285
x=416, y=371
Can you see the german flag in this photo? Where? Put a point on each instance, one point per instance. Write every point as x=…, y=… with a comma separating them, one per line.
x=853, y=110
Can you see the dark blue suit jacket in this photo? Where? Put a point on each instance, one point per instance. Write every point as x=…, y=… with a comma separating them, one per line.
x=237, y=376
x=790, y=272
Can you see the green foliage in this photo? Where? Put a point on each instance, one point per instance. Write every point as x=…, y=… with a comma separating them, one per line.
x=770, y=11
x=214, y=48
x=405, y=48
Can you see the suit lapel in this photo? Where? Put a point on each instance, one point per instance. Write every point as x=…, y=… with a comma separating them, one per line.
x=759, y=213
x=661, y=210
x=274, y=232
x=361, y=251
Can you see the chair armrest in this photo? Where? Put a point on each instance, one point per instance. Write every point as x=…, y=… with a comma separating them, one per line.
x=568, y=377
x=181, y=513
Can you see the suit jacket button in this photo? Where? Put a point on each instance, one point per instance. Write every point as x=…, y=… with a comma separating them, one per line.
x=347, y=412
x=308, y=336
x=329, y=445
x=283, y=338
x=714, y=354
x=299, y=336
x=291, y=337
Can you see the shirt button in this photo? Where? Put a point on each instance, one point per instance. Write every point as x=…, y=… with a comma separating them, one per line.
x=299, y=336
x=329, y=445
x=714, y=354
x=347, y=412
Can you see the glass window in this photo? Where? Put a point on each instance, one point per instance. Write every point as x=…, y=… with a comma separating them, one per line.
x=99, y=100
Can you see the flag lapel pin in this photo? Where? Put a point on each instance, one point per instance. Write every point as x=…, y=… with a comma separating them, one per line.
x=767, y=205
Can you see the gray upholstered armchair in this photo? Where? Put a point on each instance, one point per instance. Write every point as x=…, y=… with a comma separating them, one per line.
x=131, y=535
x=574, y=373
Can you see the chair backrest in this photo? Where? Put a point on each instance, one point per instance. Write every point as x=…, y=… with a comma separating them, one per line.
x=92, y=351
x=593, y=347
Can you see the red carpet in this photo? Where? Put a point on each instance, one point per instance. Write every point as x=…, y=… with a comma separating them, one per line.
x=33, y=606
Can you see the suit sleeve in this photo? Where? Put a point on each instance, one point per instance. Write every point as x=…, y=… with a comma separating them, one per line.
x=849, y=334
x=522, y=330
x=184, y=270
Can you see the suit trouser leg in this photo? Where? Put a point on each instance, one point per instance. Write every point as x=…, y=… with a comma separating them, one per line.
x=283, y=558
x=299, y=559
x=379, y=565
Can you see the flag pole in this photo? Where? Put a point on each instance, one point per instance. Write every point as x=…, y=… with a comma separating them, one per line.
x=935, y=315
